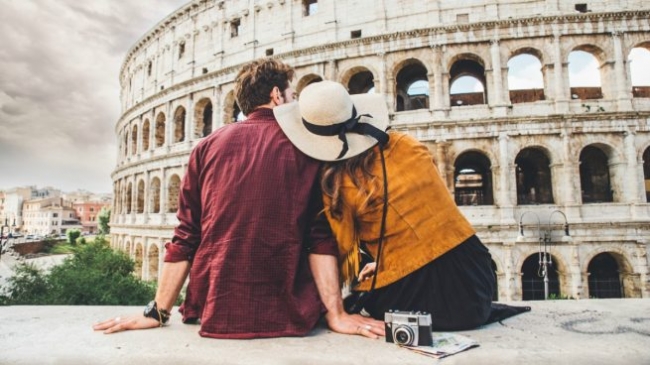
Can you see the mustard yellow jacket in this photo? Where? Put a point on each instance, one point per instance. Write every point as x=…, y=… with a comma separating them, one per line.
x=422, y=223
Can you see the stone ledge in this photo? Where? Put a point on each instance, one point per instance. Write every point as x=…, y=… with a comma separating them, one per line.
x=607, y=331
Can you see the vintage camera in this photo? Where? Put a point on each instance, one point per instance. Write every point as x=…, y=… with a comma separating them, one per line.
x=408, y=328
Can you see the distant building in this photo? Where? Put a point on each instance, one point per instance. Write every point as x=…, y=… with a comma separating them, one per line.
x=49, y=216
x=87, y=212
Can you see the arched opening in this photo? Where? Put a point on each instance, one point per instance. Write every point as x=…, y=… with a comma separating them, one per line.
x=153, y=258
x=203, y=117
x=160, y=130
x=532, y=280
x=594, y=176
x=140, y=197
x=584, y=75
x=129, y=198
x=154, y=195
x=173, y=191
x=639, y=59
x=139, y=257
x=134, y=140
x=125, y=144
x=533, y=177
x=604, y=277
x=146, y=129
x=362, y=82
x=412, y=87
x=646, y=173
x=237, y=114
x=473, y=179
x=525, y=79
x=127, y=248
x=467, y=82
x=307, y=80
x=179, y=124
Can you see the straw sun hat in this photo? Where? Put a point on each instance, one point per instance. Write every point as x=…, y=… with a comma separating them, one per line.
x=329, y=124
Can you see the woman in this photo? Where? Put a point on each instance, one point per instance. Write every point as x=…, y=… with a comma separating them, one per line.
x=429, y=257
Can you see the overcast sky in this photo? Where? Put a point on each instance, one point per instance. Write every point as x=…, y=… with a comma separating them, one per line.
x=59, y=88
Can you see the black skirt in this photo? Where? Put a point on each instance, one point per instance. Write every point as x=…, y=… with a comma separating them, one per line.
x=455, y=288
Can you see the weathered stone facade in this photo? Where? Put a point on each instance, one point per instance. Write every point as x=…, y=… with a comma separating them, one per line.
x=520, y=163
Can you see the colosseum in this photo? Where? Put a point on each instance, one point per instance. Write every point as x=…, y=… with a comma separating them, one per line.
x=553, y=173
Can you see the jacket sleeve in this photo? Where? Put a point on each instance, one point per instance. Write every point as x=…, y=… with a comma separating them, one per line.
x=187, y=235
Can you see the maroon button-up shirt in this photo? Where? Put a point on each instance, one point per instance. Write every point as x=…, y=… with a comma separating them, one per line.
x=247, y=212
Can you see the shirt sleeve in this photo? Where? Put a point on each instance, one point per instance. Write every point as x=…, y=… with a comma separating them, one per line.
x=187, y=235
x=320, y=239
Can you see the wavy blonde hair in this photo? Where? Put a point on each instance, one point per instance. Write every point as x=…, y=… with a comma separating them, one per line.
x=359, y=170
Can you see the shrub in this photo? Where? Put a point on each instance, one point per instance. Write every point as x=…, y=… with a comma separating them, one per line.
x=93, y=275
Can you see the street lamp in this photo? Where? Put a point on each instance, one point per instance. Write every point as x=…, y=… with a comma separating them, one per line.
x=543, y=259
x=5, y=241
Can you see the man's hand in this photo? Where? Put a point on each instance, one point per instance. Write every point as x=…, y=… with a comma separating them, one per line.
x=355, y=324
x=118, y=324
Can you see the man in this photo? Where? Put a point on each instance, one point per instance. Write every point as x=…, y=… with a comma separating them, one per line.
x=260, y=263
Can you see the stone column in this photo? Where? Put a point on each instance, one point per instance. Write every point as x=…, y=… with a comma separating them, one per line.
x=623, y=86
x=504, y=171
x=631, y=180
x=189, y=120
x=441, y=161
x=436, y=89
x=568, y=186
x=575, y=272
x=163, y=195
x=496, y=95
x=561, y=91
x=510, y=273
x=169, y=123
x=147, y=191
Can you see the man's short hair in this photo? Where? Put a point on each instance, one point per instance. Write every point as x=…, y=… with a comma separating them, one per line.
x=255, y=81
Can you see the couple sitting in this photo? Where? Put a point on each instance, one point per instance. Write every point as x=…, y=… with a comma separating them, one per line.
x=262, y=259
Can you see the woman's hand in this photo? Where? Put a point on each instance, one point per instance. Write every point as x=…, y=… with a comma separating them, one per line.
x=367, y=272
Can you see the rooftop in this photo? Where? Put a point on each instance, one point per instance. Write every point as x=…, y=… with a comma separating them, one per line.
x=605, y=331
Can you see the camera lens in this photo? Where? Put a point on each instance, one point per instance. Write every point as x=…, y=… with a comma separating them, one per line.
x=403, y=335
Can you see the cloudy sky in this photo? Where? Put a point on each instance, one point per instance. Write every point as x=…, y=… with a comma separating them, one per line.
x=59, y=89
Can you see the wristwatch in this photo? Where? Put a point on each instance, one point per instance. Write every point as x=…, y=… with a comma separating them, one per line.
x=159, y=314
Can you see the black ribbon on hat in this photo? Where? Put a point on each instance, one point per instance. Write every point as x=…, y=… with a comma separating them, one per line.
x=351, y=125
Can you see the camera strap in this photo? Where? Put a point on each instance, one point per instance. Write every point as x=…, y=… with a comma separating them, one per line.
x=357, y=302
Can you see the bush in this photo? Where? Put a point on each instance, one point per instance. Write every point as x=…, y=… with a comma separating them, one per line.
x=73, y=234
x=93, y=275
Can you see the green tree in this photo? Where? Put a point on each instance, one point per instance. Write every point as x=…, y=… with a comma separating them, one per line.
x=93, y=275
x=103, y=218
x=73, y=234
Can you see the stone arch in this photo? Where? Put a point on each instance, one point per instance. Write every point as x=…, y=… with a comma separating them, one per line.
x=134, y=140
x=473, y=179
x=595, y=174
x=532, y=280
x=529, y=62
x=153, y=259
x=629, y=282
x=231, y=110
x=306, y=80
x=154, y=195
x=590, y=86
x=140, y=197
x=127, y=248
x=129, y=197
x=411, y=85
x=139, y=259
x=467, y=67
x=160, y=130
x=533, y=176
x=173, y=190
x=179, y=124
x=359, y=80
x=146, y=130
x=203, y=118
x=638, y=70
